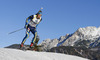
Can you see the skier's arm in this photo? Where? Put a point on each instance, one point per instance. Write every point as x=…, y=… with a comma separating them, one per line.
x=27, y=21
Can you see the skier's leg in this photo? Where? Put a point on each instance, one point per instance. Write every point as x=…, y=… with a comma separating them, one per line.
x=37, y=39
x=26, y=36
x=33, y=39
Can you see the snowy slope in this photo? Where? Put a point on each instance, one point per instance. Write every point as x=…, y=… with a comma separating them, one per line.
x=14, y=54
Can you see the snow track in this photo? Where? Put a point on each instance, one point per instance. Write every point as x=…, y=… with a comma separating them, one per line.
x=14, y=54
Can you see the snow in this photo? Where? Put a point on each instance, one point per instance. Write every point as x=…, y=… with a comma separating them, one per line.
x=91, y=30
x=14, y=54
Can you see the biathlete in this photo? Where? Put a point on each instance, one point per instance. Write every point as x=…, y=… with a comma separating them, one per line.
x=31, y=25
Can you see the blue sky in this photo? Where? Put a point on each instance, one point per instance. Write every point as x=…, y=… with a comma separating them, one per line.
x=59, y=18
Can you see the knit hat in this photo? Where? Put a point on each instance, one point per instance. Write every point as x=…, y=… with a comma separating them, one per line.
x=39, y=12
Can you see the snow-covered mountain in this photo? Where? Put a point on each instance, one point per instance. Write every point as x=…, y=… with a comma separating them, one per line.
x=14, y=54
x=87, y=37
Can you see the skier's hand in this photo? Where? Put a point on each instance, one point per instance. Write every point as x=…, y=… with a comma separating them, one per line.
x=29, y=29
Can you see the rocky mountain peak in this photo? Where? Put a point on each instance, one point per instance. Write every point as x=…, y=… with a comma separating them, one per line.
x=90, y=31
x=82, y=37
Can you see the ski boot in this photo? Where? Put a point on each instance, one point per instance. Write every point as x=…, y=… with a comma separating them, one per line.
x=32, y=46
x=22, y=47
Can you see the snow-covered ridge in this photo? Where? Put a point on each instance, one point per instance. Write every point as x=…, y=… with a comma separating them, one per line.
x=14, y=54
x=93, y=31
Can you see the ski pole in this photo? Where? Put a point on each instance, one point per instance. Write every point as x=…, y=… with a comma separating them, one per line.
x=16, y=31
